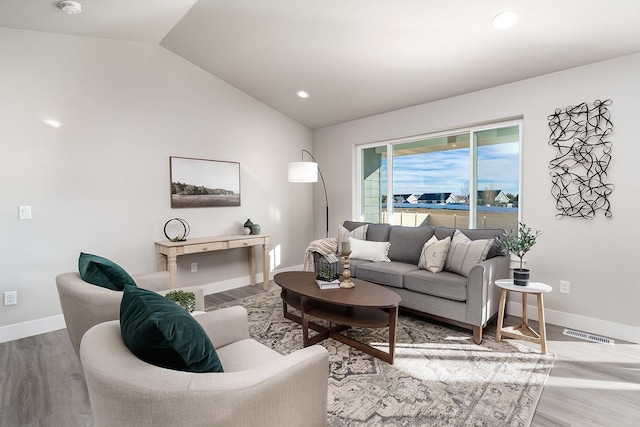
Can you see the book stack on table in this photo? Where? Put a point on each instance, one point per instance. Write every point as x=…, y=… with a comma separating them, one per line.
x=323, y=284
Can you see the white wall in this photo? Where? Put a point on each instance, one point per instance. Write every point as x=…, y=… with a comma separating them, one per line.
x=100, y=183
x=598, y=256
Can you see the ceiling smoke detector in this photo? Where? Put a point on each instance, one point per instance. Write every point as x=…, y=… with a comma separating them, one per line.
x=71, y=7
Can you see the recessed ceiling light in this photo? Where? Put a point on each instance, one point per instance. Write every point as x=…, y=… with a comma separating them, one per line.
x=505, y=20
x=303, y=94
x=53, y=123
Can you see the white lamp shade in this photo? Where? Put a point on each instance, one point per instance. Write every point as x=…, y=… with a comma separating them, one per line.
x=303, y=172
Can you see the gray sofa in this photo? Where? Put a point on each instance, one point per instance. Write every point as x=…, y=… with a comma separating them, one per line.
x=469, y=302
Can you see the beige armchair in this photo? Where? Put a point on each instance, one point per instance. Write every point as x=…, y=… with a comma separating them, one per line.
x=85, y=305
x=259, y=387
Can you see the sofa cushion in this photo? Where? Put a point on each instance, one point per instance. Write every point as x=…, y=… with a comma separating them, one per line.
x=465, y=253
x=384, y=273
x=369, y=251
x=378, y=232
x=375, y=232
x=434, y=254
x=351, y=225
x=407, y=243
x=443, y=285
x=102, y=272
x=162, y=333
x=475, y=234
x=357, y=233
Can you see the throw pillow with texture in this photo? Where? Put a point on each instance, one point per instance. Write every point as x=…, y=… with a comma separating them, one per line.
x=359, y=233
x=102, y=272
x=434, y=254
x=164, y=334
x=465, y=253
x=369, y=251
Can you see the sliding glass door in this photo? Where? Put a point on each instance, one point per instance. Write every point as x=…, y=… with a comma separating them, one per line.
x=467, y=178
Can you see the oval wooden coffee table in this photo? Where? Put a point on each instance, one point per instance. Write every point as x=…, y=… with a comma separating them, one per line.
x=366, y=305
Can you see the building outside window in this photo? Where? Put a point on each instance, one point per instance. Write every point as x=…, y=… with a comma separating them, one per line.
x=469, y=178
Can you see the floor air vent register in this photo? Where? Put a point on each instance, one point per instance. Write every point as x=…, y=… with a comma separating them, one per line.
x=588, y=337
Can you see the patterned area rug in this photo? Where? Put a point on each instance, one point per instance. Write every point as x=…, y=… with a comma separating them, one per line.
x=439, y=376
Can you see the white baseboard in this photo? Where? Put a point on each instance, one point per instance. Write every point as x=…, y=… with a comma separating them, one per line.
x=581, y=323
x=574, y=321
x=53, y=323
x=225, y=285
x=32, y=327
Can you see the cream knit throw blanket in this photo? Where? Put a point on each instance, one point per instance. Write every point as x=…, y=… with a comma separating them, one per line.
x=323, y=247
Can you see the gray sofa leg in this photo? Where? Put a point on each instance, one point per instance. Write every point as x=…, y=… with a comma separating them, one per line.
x=477, y=334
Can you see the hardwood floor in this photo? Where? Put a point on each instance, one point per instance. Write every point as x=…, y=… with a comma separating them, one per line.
x=591, y=384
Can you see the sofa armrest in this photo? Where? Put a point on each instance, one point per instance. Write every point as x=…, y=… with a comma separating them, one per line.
x=156, y=281
x=482, y=296
x=291, y=390
x=226, y=325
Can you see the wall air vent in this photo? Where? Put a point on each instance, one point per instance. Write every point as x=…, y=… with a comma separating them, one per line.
x=588, y=337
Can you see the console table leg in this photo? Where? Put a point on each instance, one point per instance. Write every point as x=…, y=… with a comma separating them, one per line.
x=252, y=266
x=172, y=266
x=265, y=266
x=162, y=262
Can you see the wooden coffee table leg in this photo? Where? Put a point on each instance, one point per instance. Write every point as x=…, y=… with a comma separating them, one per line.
x=305, y=321
x=393, y=322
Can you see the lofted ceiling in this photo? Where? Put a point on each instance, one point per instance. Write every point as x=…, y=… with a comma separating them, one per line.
x=356, y=58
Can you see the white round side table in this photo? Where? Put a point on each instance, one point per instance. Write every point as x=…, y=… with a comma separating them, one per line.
x=523, y=331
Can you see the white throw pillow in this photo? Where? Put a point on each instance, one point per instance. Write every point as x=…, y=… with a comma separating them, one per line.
x=357, y=233
x=464, y=253
x=434, y=254
x=369, y=251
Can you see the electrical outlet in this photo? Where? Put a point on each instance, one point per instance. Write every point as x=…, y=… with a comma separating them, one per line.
x=194, y=267
x=11, y=298
x=565, y=286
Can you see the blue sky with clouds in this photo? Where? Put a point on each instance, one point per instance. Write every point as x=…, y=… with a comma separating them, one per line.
x=448, y=171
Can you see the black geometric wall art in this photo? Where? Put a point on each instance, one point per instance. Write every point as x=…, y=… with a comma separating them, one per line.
x=583, y=152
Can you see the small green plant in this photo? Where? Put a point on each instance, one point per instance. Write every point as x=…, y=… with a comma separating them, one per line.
x=520, y=242
x=327, y=274
x=184, y=299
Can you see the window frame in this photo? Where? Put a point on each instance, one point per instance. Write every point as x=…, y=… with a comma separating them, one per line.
x=473, y=164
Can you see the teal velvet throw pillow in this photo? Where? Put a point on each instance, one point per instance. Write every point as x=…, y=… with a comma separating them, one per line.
x=103, y=272
x=164, y=334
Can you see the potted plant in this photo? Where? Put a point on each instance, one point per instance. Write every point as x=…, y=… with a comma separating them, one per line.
x=184, y=299
x=519, y=243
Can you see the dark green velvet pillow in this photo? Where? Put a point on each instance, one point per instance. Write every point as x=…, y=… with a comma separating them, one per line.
x=103, y=272
x=164, y=334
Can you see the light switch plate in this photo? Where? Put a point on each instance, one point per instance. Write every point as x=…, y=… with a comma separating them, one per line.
x=24, y=212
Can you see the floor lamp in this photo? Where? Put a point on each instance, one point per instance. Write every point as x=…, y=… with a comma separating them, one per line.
x=308, y=172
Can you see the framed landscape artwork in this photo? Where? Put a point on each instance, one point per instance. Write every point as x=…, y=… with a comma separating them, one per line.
x=200, y=183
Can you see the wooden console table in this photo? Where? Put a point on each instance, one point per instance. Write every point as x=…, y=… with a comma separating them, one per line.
x=168, y=252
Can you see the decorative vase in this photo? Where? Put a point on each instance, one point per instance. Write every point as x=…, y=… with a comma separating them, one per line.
x=255, y=229
x=520, y=276
x=248, y=223
x=246, y=230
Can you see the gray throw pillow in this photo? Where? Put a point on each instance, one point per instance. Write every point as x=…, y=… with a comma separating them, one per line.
x=464, y=253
